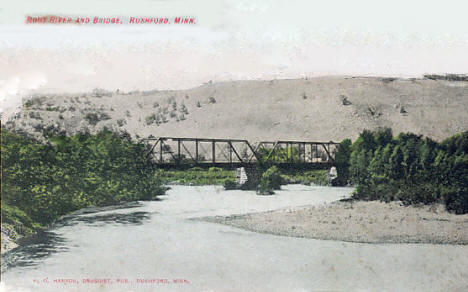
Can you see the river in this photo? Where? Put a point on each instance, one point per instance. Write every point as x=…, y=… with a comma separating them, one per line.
x=161, y=246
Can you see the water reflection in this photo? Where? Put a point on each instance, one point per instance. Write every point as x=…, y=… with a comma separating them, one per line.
x=135, y=218
x=34, y=249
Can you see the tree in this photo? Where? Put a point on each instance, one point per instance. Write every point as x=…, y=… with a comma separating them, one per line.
x=383, y=136
x=342, y=158
x=396, y=163
x=359, y=163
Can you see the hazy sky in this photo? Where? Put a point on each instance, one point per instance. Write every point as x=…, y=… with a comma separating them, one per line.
x=232, y=39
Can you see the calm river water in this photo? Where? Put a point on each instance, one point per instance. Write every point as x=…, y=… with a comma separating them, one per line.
x=157, y=246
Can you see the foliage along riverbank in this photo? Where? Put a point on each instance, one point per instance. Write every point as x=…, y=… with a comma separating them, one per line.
x=408, y=168
x=197, y=176
x=219, y=176
x=41, y=182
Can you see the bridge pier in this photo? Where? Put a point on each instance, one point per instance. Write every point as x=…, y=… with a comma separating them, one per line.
x=248, y=176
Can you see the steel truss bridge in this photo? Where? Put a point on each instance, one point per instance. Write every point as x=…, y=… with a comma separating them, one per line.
x=167, y=152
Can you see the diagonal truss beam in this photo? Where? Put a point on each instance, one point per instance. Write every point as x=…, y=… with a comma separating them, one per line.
x=235, y=152
x=188, y=152
x=328, y=153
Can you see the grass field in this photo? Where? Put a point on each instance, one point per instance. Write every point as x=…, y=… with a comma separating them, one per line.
x=217, y=176
x=198, y=176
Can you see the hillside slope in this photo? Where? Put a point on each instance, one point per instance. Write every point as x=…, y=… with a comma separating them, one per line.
x=317, y=109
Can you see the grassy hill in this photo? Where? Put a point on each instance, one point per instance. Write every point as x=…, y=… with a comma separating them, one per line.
x=318, y=109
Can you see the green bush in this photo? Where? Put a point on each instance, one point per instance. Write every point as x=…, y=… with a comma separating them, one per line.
x=271, y=180
x=17, y=218
x=47, y=181
x=409, y=168
x=230, y=184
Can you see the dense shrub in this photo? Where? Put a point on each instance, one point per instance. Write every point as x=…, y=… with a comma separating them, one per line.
x=47, y=181
x=409, y=168
x=18, y=219
x=271, y=180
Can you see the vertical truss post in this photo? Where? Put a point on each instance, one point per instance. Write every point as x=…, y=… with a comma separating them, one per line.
x=213, y=151
x=287, y=152
x=292, y=151
x=178, y=151
x=196, y=151
x=316, y=152
x=230, y=154
x=161, y=151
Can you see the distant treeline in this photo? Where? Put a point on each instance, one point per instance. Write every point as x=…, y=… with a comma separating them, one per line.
x=41, y=182
x=449, y=77
x=409, y=168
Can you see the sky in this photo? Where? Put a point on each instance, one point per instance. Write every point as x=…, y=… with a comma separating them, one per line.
x=230, y=40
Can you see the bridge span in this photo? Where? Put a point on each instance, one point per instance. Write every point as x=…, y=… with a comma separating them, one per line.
x=167, y=152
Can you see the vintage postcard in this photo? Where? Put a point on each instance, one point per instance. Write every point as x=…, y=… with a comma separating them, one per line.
x=221, y=145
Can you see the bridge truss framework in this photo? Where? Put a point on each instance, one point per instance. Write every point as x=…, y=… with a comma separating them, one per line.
x=177, y=152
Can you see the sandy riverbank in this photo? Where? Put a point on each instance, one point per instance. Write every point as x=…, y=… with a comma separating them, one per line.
x=8, y=238
x=370, y=222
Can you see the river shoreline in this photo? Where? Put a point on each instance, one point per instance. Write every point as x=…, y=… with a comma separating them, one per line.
x=11, y=237
x=358, y=221
x=163, y=240
x=345, y=220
